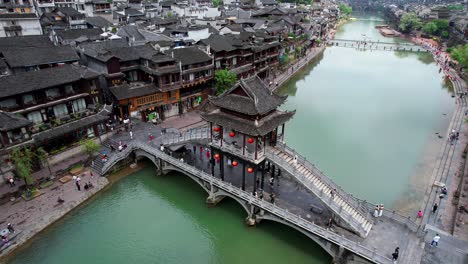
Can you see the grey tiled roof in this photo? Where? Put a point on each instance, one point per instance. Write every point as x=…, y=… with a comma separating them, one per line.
x=126, y=91
x=249, y=127
x=98, y=22
x=9, y=121
x=22, y=57
x=18, y=15
x=25, y=41
x=24, y=82
x=259, y=100
x=190, y=55
x=72, y=34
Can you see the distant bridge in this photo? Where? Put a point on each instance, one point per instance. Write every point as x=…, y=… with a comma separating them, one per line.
x=375, y=45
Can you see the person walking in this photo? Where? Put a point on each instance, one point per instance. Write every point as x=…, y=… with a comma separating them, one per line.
x=395, y=255
x=420, y=214
x=434, y=208
x=131, y=134
x=78, y=186
x=295, y=160
x=435, y=240
x=272, y=197
x=11, y=181
x=10, y=228
x=376, y=211
x=381, y=208
x=112, y=148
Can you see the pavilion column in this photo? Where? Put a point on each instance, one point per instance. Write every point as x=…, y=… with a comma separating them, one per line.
x=221, y=165
x=264, y=145
x=282, y=131
x=211, y=132
x=243, y=146
x=243, y=175
x=222, y=134
x=263, y=174
x=212, y=161
x=255, y=179
x=256, y=147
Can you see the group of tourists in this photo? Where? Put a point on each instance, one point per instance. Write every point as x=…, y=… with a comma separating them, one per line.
x=378, y=211
x=5, y=239
x=77, y=181
x=453, y=136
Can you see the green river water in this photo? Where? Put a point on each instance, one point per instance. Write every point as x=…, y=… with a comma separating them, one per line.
x=366, y=118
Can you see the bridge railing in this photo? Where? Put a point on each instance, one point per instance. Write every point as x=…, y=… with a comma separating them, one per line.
x=353, y=201
x=355, y=247
x=192, y=134
x=116, y=157
x=332, y=204
x=408, y=221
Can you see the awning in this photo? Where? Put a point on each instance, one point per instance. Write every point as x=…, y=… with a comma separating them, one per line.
x=69, y=127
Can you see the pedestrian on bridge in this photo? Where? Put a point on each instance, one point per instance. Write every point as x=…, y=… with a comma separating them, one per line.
x=131, y=134
x=376, y=211
x=381, y=208
x=420, y=214
x=395, y=255
x=434, y=208
x=435, y=240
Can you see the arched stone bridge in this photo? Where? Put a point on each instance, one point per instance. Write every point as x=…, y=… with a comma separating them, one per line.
x=341, y=248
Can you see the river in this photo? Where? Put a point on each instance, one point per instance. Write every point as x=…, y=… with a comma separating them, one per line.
x=368, y=119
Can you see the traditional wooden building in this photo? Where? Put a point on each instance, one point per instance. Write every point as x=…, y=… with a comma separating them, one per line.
x=244, y=121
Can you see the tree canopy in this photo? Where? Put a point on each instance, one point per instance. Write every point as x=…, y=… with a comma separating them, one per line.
x=460, y=54
x=224, y=79
x=345, y=9
x=217, y=3
x=90, y=147
x=409, y=22
x=430, y=28
x=23, y=160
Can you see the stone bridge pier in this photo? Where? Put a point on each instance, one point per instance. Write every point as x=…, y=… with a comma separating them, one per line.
x=255, y=215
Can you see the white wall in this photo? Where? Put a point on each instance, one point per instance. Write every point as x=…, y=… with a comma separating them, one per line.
x=29, y=26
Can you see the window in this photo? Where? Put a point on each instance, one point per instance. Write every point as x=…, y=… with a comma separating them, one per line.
x=23, y=11
x=234, y=61
x=133, y=76
x=52, y=92
x=28, y=98
x=218, y=64
x=25, y=132
x=79, y=105
x=8, y=103
x=69, y=89
x=90, y=132
x=35, y=117
x=60, y=110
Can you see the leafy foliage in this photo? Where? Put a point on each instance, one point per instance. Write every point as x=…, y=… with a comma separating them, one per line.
x=460, y=54
x=224, y=79
x=430, y=28
x=90, y=147
x=345, y=9
x=23, y=160
x=409, y=22
x=217, y=3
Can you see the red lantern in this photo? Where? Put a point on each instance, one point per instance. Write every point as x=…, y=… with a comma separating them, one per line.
x=235, y=163
x=250, y=140
x=216, y=129
x=250, y=169
x=232, y=134
x=216, y=156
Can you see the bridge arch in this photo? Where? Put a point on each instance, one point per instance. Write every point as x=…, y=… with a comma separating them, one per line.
x=325, y=245
x=239, y=201
x=169, y=168
x=139, y=153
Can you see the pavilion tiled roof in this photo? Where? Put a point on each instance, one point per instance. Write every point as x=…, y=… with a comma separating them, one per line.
x=259, y=100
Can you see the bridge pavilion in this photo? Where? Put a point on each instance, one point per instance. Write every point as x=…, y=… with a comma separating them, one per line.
x=244, y=121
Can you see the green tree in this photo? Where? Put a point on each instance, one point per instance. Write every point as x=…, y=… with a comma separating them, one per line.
x=169, y=14
x=444, y=34
x=90, y=147
x=430, y=28
x=23, y=160
x=345, y=9
x=460, y=54
x=217, y=3
x=42, y=155
x=442, y=24
x=409, y=22
x=224, y=79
